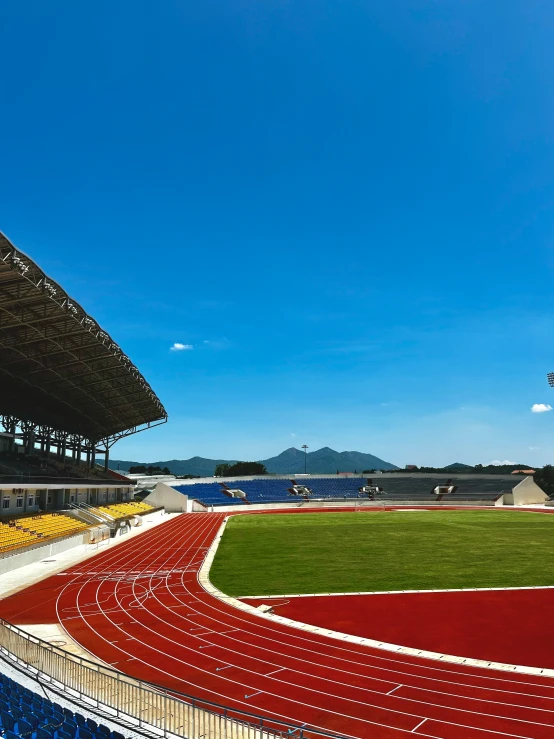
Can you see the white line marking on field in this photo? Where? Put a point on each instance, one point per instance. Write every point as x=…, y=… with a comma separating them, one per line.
x=392, y=592
x=417, y=727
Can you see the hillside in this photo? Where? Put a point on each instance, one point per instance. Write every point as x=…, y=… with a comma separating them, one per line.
x=324, y=461
x=194, y=466
x=289, y=462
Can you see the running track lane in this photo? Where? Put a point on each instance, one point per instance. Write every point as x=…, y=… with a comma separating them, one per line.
x=140, y=607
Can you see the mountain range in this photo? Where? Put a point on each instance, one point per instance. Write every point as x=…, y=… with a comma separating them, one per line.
x=291, y=461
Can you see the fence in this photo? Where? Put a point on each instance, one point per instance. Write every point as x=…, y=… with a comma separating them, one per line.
x=142, y=706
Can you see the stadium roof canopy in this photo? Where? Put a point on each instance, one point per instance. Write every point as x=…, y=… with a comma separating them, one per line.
x=58, y=368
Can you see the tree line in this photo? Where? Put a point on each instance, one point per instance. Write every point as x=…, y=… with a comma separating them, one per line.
x=240, y=469
x=141, y=469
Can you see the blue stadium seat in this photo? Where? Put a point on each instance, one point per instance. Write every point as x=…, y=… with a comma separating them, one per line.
x=396, y=488
x=91, y=724
x=24, y=728
x=26, y=715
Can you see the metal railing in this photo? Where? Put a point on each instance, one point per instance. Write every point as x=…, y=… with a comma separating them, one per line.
x=143, y=706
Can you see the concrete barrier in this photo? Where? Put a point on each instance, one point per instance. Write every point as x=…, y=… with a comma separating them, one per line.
x=11, y=562
x=339, y=503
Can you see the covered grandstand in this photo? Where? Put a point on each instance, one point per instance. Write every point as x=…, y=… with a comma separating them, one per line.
x=68, y=391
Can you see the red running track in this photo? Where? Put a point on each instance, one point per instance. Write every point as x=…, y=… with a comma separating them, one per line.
x=442, y=621
x=139, y=606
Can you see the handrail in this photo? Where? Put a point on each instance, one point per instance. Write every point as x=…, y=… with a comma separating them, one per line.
x=147, y=707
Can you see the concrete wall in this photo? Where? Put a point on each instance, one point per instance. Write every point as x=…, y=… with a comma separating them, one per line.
x=349, y=503
x=14, y=561
x=172, y=500
x=505, y=499
x=528, y=493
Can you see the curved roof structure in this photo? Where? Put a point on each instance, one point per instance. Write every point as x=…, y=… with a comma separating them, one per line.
x=58, y=367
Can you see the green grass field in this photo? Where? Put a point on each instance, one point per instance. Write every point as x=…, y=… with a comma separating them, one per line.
x=350, y=552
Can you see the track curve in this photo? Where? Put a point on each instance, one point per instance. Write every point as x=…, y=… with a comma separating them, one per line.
x=141, y=608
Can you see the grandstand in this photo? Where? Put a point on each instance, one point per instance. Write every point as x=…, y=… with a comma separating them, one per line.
x=393, y=488
x=122, y=510
x=33, y=529
x=68, y=387
x=68, y=394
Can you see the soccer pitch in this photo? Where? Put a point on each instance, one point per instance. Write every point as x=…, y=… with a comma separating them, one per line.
x=392, y=550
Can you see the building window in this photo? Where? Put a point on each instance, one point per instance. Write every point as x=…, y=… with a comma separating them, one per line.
x=31, y=500
x=49, y=499
x=19, y=502
x=72, y=498
x=6, y=502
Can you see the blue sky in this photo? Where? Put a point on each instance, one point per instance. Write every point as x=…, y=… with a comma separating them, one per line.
x=344, y=208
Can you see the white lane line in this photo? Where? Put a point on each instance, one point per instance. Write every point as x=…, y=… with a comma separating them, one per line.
x=420, y=724
x=414, y=729
x=392, y=691
x=253, y=694
x=274, y=671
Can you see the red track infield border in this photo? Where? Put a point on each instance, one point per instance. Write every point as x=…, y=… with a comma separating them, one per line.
x=140, y=607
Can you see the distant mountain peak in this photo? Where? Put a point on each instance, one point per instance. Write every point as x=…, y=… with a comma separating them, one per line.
x=290, y=461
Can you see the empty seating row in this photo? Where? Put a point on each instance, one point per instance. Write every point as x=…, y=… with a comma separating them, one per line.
x=121, y=510
x=20, y=532
x=51, y=524
x=209, y=493
x=11, y=537
x=24, y=713
x=392, y=488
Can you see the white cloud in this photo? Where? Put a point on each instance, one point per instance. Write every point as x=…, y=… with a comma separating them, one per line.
x=534, y=448
x=177, y=347
x=293, y=434
x=506, y=461
x=540, y=408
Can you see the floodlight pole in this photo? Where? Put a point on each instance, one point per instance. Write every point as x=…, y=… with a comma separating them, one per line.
x=305, y=448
